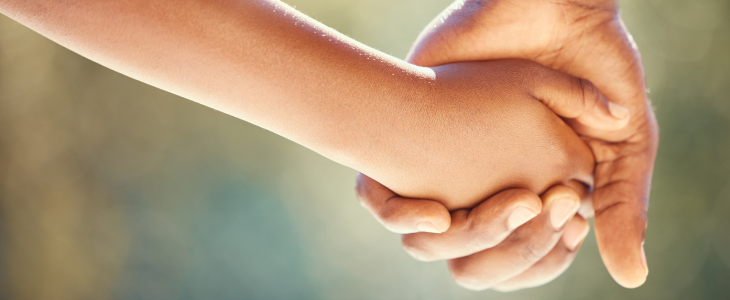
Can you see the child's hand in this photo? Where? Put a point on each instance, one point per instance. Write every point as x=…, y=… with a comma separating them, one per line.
x=483, y=129
x=523, y=150
x=455, y=133
x=585, y=39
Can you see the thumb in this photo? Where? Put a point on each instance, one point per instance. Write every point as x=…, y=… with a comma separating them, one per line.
x=398, y=214
x=579, y=99
x=620, y=224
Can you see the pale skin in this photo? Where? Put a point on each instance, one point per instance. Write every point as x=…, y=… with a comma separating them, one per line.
x=456, y=134
x=584, y=38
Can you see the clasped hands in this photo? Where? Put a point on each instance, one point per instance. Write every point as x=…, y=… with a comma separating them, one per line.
x=569, y=135
x=526, y=117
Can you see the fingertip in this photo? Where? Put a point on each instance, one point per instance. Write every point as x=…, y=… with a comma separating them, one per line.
x=586, y=209
x=621, y=116
x=630, y=275
x=401, y=215
x=527, y=199
x=404, y=215
x=631, y=282
x=636, y=275
x=620, y=236
x=601, y=120
x=516, y=206
x=600, y=113
x=560, y=191
x=429, y=216
x=563, y=202
x=586, y=195
x=438, y=222
x=575, y=232
x=619, y=112
x=427, y=226
x=519, y=216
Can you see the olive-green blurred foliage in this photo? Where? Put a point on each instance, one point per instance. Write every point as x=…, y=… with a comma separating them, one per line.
x=111, y=189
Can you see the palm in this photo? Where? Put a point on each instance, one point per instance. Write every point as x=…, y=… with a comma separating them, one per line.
x=584, y=41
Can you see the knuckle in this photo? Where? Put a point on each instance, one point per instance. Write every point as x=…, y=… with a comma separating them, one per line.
x=394, y=218
x=392, y=223
x=590, y=93
x=576, y=85
x=529, y=247
x=532, y=74
x=386, y=216
x=529, y=254
x=482, y=242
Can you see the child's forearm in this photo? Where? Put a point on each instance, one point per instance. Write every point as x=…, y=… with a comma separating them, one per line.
x=455, y=133
x=258, y=60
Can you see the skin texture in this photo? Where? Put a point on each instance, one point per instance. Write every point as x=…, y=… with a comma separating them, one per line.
x=455, y=134
x=483, y=250
x=585, y=39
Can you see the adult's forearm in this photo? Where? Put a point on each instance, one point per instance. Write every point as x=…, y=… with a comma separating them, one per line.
x=257, y=60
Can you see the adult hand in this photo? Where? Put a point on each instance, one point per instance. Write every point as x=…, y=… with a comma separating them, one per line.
x=586, y=39
x=484, y=244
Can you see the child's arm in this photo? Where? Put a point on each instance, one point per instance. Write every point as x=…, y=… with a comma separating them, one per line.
x=454, y=133
x=260, y=61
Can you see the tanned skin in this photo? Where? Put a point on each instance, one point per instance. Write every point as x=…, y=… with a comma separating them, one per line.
x=455, y=134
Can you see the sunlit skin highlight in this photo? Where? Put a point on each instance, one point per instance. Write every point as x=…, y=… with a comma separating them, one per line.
x=455, y=134
x=587, y=39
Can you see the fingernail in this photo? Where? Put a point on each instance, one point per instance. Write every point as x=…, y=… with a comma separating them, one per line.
x=519, y=216
x=561, y=211
x=427, y=226
x=643, y=258
x=618, y=111
x=574, y=233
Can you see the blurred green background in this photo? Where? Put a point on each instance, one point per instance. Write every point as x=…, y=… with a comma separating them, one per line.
x=112, y=189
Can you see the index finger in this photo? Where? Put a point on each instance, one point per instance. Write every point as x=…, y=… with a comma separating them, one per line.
x=474, y=230
x=398, y=214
